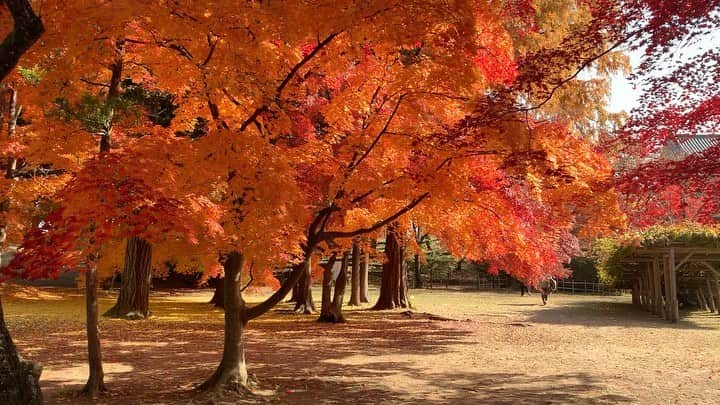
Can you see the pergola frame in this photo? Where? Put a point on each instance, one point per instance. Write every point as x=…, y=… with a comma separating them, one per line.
x=654, y=273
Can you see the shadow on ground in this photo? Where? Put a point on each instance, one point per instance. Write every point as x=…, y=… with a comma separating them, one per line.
x=595, y=313
x=379, y=357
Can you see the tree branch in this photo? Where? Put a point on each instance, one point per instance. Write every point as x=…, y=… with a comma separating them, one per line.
x=582, y=67
x=326, y=236
x=375, y=141
x=27, y=29
x=285, y=288
x=291, y=74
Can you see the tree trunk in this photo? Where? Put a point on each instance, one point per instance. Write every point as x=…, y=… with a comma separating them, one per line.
x=339, y=293
x=364, y=272
x=355, y=277
x=232, y=373
x=393, y=287
x=418, y=279
x=13, y=115
x=304, y=303
x=294, y=296
x=95, y=383
x=218, y=298
x=327, y=308
x=19, y=380
x=134, y=299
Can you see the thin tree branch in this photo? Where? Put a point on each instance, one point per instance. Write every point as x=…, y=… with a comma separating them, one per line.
x=375, y=141
x=326, y=236
x=291, y=74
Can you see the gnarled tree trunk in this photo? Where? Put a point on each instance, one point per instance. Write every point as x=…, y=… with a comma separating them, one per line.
x=364, y=272
x=326, y=304
x=134, y=299
x=355, y=276
x=339, y=291
x=232, y=373
x=19, y=380
x=304, y=303
x=393, y=287
x=96, y=382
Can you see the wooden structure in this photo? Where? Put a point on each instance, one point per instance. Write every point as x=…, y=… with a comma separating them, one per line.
x=658, y=275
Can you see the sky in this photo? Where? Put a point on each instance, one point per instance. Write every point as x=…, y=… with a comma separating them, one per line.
x=624, y=96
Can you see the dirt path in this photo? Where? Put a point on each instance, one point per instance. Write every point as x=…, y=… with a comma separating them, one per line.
x=506, y=349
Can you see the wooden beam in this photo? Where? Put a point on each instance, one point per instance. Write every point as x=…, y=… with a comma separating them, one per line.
x=711, y=295
x=658, y=287
x=683, y=261
x=703, y=300
x=699, y=299
x=711, y=268
x=666, y=286
x=674, y=307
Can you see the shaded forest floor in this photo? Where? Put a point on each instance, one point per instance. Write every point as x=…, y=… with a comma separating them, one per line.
x=503, y=349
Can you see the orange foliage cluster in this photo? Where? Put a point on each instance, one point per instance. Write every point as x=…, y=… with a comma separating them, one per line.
x=316, y=131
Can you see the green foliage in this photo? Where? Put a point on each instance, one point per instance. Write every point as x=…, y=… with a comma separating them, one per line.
x=159, y=105
x=584, y=268
x=96, y=114
x=611, y=251
x=31, y=75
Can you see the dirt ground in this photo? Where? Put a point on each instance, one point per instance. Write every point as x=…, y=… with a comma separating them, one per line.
x=503, y=349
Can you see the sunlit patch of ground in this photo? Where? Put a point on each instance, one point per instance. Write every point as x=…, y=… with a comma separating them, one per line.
x=500, y=348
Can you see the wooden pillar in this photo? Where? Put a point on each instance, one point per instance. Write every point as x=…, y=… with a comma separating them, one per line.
x=651, y=286
x=711, y=295
x=674, y=308
x=666, y=286
x=716, y=286
x=658, y=290
x=703, y=300
x=713, y=284
x=636, y=293
x=648, y=289
x=699, y=300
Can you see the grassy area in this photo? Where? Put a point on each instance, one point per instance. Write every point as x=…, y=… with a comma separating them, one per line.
x=503, y=348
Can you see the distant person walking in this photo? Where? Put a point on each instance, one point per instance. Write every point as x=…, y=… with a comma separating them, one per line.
x=547, y=286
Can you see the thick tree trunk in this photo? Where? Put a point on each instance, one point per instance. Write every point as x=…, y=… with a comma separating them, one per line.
x=393, y=287
x=326, y=304
x=339, y=291
x=232, y=373
x=355, y=276
x=364, y=272
x=304, y=303
x=218, y=298
x=95, y=383
x=19, y=380
x=134, y=298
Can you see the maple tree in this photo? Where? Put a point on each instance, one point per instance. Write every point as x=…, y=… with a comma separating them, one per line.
x=680, y=101
x=292, y=138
